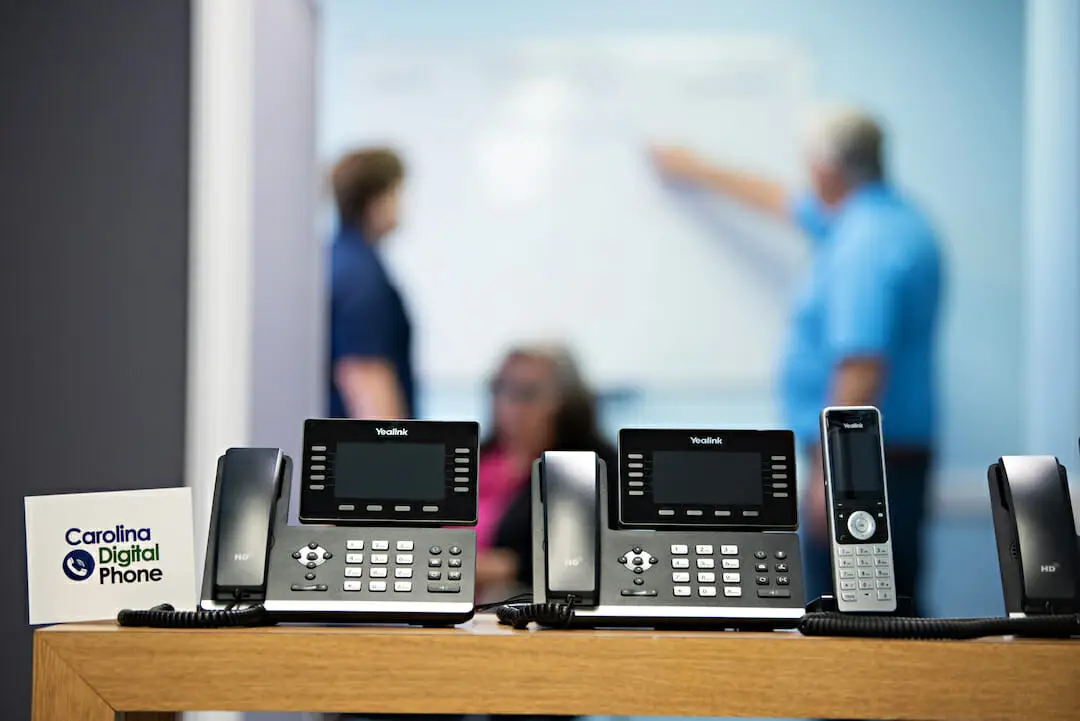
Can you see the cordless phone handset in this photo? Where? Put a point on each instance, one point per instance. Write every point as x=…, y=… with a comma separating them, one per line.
x=853, y=456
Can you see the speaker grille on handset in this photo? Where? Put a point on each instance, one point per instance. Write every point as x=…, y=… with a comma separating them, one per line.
x=1014, y=551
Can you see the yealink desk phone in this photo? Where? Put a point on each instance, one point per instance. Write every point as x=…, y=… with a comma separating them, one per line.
x=694, y=527
x=376, y=542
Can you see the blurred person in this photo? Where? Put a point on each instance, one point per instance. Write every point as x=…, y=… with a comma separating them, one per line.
x=371, y=365
x=863, y=330
x=371, y=373
x=540, y=402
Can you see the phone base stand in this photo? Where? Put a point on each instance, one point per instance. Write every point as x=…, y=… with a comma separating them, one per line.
x=827, y=604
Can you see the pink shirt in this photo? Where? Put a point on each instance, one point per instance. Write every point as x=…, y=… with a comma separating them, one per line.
x=499, y=485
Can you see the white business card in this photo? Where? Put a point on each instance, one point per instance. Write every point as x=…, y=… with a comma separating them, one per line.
x=90, y=555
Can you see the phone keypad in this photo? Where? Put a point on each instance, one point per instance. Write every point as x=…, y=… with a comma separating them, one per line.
x=870, y=576
x=694, y=571
x=389, y=572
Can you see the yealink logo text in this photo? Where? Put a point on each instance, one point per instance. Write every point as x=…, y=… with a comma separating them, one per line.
x=711, y=441
x=853, y=425
x=392, y=431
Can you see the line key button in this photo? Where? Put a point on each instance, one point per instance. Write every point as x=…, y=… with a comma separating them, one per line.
x=443, y=588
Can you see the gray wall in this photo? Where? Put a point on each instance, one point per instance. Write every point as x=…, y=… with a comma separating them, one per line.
x=93, y=264
x=288, y=344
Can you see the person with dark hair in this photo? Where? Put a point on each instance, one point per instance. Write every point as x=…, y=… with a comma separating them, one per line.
x=371, y=372
x=539, y=402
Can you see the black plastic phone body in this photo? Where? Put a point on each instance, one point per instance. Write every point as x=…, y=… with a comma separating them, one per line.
x=1035, y=529
x=653, y=578
x=323, y=573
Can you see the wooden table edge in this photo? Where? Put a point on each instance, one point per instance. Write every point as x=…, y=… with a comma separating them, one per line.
x=61, y=691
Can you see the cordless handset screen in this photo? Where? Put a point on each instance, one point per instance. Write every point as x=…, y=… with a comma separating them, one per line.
x=853, y=455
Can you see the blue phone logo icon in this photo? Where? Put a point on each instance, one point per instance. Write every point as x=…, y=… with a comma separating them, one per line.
x=78, y=565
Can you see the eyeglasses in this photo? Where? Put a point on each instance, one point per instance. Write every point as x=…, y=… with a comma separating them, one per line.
x=519, y=391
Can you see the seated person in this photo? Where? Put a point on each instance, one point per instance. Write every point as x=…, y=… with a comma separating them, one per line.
x=540, y=403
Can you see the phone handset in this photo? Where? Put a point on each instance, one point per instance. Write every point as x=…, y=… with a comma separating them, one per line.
x=566, y=493
x=570, y=497
x=248, y=487
x=247, y=491
x=1036, y=535
x=856, y=490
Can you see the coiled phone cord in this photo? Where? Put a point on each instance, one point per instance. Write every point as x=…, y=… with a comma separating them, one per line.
x=545, y=615
x=831, y=623
x=165, y=616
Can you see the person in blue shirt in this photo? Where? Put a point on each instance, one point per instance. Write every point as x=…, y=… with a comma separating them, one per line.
x=371, y=365
x=864, y=326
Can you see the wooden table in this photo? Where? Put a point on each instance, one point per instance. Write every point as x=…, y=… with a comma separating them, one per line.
x=91, y=672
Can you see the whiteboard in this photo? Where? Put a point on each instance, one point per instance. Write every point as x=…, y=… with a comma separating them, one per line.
x=532, y=212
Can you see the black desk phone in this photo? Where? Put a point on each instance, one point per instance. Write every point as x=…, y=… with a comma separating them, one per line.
x=694, y=528
x=378, y=500
x=1038, y=549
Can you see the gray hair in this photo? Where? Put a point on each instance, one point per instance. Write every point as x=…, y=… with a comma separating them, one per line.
x=850, y=140
x=567, y=372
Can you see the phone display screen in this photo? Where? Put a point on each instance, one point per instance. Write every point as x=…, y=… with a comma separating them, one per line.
x=382, y=471
x=855, y=461
x=706, y=478
x=402, y=472
x=714, y=479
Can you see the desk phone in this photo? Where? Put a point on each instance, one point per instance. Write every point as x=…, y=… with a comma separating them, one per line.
x=694, y=527
x=384, y=534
